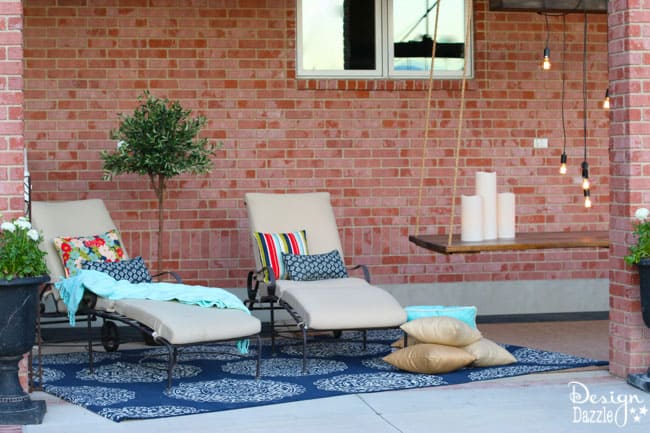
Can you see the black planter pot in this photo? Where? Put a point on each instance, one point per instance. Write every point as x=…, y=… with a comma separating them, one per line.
x=642, y=380
x=18, y=303
x=644, y=285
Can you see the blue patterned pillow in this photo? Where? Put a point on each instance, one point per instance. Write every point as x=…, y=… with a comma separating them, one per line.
x=304, y=267
x=134, y=270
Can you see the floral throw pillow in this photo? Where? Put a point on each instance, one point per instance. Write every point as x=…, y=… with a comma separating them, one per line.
x=133, y=270
x=73, y=251
x=315, y=267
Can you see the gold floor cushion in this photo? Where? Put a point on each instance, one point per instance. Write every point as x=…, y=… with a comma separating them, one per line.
x=489, y=354
x=441, y=330
x=429, y=358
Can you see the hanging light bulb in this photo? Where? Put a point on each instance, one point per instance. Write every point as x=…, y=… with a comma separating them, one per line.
x=546, y=63
x=585, y=176
x=563, y=163
x=585, y=166
x=563, y=157
x=606, y=100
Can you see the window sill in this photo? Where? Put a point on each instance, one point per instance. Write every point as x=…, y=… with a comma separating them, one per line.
x=381, y=84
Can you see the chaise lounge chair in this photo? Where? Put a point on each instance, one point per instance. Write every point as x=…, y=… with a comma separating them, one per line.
x=312, y=284
x=169, y=323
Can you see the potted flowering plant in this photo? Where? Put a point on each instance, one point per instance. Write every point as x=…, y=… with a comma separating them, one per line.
x=640, y=250
x=20, y=254
x=22, y=272
x=640, y=256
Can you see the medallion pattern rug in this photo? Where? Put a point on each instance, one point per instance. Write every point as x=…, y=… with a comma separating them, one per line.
x=131, y=384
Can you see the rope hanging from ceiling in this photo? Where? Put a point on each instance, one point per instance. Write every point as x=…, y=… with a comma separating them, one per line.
x=459, y=131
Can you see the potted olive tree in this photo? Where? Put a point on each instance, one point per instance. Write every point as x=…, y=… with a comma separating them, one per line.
x=159, y=140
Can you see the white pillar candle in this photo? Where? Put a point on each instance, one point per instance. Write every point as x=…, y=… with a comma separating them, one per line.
x=506, y=215
x=486, y=188
x=471, y=220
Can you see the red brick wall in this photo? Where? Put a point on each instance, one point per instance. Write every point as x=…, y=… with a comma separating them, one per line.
x=233, y=61
x=11, y=109
x=11, y=122
x=629, y=337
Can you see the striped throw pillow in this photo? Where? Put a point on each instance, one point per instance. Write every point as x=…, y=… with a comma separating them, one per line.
x=272, y=245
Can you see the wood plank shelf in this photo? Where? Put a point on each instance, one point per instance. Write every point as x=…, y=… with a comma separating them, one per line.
x=522, y=241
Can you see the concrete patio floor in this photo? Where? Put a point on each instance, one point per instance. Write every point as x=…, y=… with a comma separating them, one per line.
x=532, y=403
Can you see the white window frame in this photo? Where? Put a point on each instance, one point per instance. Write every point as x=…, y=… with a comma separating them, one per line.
x=384, y=50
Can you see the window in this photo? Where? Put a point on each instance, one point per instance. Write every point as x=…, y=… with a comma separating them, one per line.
x=380, y=38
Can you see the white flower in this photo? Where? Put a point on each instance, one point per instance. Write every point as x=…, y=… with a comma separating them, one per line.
x=10, y=227
x=120, y=143
x=642, y=214
x=33, y=235
x=23, y=223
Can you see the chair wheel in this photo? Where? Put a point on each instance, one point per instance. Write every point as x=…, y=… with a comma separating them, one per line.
x=149, y=340
x=110, y=336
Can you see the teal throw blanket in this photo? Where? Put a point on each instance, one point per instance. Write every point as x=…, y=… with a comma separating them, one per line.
x=72, y=290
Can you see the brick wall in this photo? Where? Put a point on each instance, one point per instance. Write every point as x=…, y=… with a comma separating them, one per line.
x=11, y=122
x=362, y=140
x=11, y=109
x=629, y=337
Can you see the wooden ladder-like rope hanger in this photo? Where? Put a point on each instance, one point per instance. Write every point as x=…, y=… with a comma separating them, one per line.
x=427, y=128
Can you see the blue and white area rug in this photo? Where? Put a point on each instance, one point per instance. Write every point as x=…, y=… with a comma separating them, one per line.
x=131, y=384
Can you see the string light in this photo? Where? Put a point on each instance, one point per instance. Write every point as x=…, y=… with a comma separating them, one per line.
x=585, y=175
x=563, y=157
x=606, y=100
x=563, y=163
x=546, y=63
x=586, y=184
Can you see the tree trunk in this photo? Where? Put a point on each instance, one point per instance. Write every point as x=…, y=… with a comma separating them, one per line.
x=159, y=188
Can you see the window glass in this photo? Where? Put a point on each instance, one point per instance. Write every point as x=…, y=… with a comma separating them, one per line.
x=413, y=28
x=379, y=38
x=337, y=35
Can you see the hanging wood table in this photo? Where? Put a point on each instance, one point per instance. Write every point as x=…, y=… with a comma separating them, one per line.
x=522, y=241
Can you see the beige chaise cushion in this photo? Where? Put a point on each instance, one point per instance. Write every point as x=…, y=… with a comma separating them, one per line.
x=311, y=212
x=68, y=218
x=347, y=303
x=285, y=213
x=183, y=324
